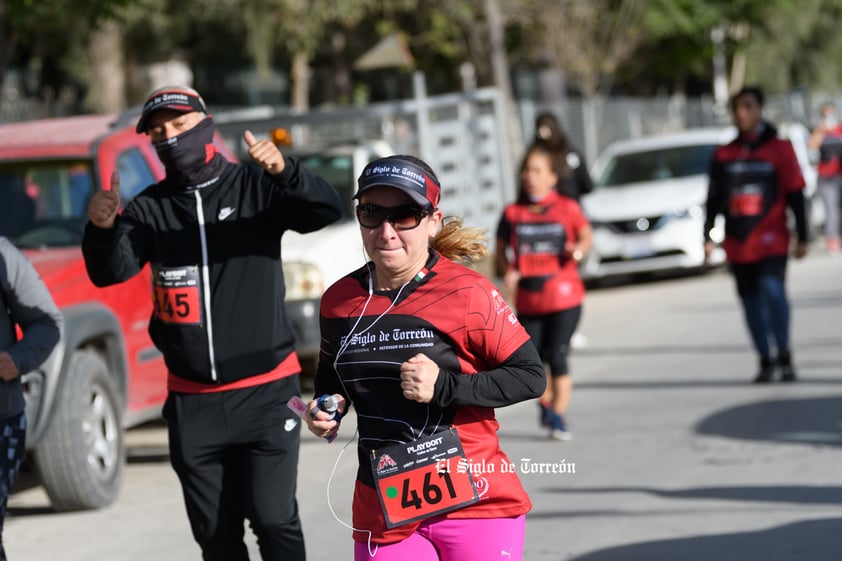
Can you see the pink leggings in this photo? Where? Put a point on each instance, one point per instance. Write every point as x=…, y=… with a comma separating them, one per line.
x=468, y=539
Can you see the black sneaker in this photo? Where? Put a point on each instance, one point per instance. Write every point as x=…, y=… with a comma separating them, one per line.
x=545, y=414
x=767, y=371
x=785, y=364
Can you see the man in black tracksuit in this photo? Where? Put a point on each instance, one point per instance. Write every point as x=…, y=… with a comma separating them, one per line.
x=211, y=232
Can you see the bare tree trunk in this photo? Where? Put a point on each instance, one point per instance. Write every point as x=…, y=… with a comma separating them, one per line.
x=738, y=32
x=107, y=90
x=342, y=73
x=500, y=71
x=720, y=74
x=300, y=82
x=590, y=123
x=8, y=42
x=260, y=38
x=738, y=72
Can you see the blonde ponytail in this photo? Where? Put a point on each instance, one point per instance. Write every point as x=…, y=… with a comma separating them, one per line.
x=467, y=245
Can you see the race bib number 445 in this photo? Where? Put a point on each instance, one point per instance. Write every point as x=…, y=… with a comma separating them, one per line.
x=177, y=294
x=410, y=483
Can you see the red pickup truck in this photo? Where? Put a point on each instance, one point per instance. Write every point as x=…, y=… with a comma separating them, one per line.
x=106, y=374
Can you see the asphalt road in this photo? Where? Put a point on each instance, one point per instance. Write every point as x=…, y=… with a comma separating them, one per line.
x=676, y=455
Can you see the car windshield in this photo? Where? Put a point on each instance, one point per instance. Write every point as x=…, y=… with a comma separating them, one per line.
x=44, y=203
x=338, y=170
x=657, y=165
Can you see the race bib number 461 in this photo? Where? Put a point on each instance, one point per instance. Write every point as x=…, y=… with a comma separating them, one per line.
x=177, y=294
x=410, y=483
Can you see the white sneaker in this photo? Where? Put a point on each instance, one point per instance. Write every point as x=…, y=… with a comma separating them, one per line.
x=561, y=435
x=558, y=428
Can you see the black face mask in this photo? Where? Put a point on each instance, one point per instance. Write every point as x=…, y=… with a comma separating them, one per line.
x=186, y=156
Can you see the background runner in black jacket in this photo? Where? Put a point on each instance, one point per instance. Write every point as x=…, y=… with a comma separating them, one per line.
x=574, y=180
x=211, y=232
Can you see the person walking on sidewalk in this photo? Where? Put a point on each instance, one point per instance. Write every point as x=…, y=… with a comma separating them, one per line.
x=827, y=140
x=753, y=180
x=574, y=180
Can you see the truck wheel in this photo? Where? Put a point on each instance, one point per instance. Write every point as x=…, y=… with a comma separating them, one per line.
x=80, y=458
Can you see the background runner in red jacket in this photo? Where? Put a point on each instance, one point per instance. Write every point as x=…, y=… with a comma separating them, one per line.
x=752, y=181
x=541, y=239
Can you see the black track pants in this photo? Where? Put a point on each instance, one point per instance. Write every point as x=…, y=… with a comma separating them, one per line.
x=236, y=455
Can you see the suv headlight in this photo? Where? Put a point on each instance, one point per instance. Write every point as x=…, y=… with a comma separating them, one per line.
x=303, y=281
x=695, y=211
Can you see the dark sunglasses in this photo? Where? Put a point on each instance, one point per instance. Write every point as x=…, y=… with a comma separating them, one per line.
x=400, y=217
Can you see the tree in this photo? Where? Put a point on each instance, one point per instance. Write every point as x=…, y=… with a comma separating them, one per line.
x=798, y=45
x=767, y=42
x=50, y=29
x=587, y=40
x=465, y=34
x=108, y=69
x=500, y=70
x=300, y=27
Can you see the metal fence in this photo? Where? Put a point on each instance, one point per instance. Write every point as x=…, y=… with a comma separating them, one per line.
x=591, y=124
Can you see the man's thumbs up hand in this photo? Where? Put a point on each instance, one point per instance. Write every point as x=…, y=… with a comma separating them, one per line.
x=104, y=205
x=265, y=153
